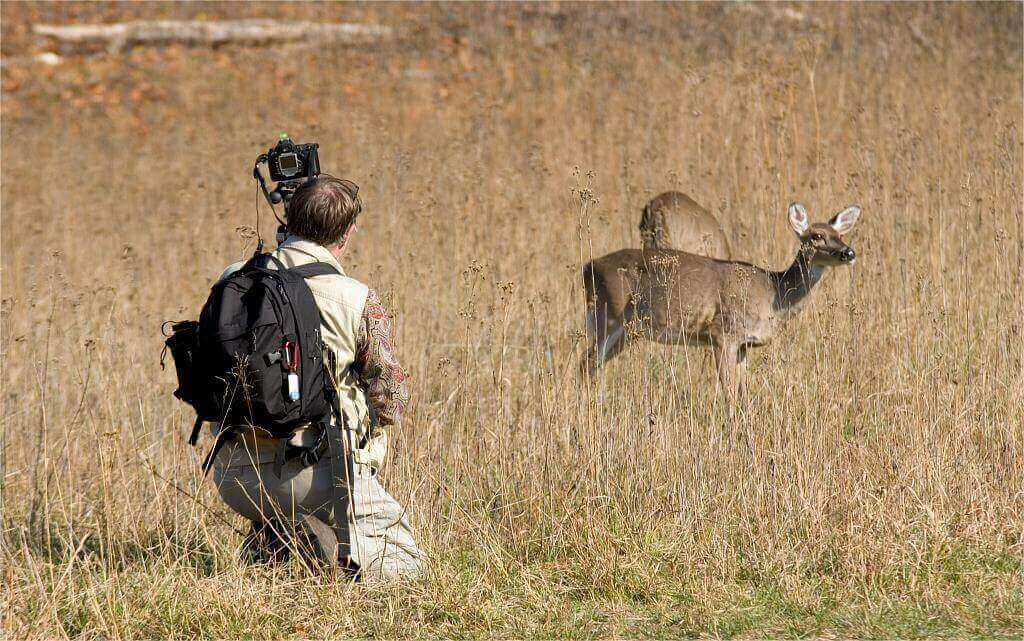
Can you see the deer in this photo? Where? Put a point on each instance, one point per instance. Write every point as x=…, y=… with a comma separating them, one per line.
x=680, y=298
x=673, y=220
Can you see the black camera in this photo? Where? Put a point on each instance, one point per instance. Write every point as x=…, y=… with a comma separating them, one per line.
x=289, y=161
x=290, y=165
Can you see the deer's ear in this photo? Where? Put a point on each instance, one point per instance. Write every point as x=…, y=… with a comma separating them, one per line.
x=798, y=219
x=846, y=219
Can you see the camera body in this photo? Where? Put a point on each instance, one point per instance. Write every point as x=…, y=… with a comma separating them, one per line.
x=287, y=161
x=290, y=165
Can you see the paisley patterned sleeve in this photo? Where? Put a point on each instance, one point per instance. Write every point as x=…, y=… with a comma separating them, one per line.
x=377, y=365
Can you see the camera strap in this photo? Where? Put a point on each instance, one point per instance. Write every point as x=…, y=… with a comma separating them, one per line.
x=258, y=175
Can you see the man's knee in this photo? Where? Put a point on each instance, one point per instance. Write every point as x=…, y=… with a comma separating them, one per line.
x=400, y=566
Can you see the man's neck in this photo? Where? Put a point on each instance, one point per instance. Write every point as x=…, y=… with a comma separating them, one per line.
x=337, y=251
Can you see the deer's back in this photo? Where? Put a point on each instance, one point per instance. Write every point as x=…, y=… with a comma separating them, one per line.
x=654, y=284
x=683, y=294
x=673, y=220
x=678, y=290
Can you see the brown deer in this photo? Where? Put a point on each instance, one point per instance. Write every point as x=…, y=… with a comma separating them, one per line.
x=676, y=297
x=673, y=220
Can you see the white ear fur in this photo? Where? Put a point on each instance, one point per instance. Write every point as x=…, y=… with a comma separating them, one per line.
x=798, y=219
x=845, y=220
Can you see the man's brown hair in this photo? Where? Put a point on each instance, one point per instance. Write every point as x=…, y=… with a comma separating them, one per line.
x=323, y=209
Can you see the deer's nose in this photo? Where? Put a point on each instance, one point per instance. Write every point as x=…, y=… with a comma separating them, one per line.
x=848, y=255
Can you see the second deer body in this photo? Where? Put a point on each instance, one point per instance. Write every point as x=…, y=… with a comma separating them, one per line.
x=673, y=220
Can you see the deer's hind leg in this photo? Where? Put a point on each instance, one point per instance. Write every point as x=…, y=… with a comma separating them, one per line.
x=606, y=336
x=741, y=369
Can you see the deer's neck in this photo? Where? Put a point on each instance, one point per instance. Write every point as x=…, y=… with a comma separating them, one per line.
x=793, y=285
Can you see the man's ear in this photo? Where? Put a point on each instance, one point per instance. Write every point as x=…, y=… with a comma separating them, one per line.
x=798, y=219
x=846, y=219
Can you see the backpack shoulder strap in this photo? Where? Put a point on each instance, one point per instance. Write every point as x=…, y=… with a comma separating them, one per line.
x=258, y=262
x=265, y=260
x=314, y=269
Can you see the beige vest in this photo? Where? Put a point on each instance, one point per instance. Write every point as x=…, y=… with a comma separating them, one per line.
x=340, y=300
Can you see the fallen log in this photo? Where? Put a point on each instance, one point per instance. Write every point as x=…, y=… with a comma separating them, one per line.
x=117, y=36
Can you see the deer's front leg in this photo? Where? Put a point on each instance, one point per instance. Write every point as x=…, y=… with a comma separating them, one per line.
x=727, y=360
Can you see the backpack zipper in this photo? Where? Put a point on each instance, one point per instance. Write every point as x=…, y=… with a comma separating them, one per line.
x=295, y=321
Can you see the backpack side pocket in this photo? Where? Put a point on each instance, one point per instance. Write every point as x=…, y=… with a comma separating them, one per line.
x=183, y=343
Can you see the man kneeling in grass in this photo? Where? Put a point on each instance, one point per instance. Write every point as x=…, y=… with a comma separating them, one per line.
x=370, y=384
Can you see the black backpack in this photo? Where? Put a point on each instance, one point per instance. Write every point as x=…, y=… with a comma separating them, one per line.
x=255, y=358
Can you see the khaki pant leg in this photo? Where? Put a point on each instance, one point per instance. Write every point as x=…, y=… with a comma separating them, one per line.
x=382, y=538
x=386, y=549
x=250, y=488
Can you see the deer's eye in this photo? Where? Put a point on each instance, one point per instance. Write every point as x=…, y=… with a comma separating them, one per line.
x=817, y=237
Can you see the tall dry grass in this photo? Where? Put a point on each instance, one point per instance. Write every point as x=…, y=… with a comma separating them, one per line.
x=871, y=487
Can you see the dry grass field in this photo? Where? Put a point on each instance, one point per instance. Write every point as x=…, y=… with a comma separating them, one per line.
x=870, y=487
